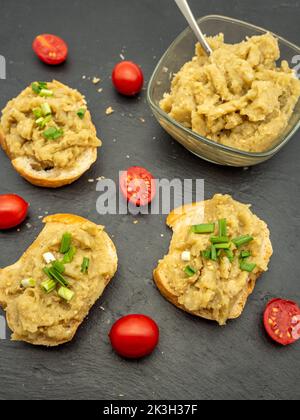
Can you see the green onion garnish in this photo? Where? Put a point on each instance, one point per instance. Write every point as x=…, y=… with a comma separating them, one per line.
x=245, y=254
x=204, y=228
x=46, y=109
x=65, y=293
x=206, y=254
x=57, y=276
x=245, y=266
x=229, y=254
x=46, y=270
x=58, y=266
x=46, y=92
x=223, y=227
x=37, y=112
x=48, y=286
x=37, y=87
x=81, y=113
x=26, y=283
x=40, y=121
x=189, y=271
x=214, y=255
x=222, y=246
x=68, y=257
x=85, y=265
x=219, y=252
x=53, y=133
x=65, y=243
x=242, y=240
x=219, y=239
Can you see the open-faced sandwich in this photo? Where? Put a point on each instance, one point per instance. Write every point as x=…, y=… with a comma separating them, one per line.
x=48, y=134
x=50, y=290
x=218, y=251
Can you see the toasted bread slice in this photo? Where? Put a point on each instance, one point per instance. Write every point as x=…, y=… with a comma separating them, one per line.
x=46, y=319
x=22, y=139
x=215, y=282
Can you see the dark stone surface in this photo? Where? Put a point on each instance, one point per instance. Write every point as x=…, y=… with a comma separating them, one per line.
x=195, y=359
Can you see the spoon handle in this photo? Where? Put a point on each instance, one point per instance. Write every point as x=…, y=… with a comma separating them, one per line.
x=187, y=13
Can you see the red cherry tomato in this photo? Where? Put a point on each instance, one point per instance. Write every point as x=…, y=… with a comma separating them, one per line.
x=134, y=336
x=50, y=49
x=128, y=78
x=138, y=186
x=13, y=211
x=282, y=321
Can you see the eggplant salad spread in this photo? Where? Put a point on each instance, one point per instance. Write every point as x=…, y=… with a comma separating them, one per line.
x=238, y=96
x=218, y=251
x=49, y=291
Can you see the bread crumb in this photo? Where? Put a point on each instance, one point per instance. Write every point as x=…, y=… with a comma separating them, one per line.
x=122, y=57
x=28, y=225
x=40, y=217
x=96, y=80
x=127, y=157
x=91, y=180
x=100, y=178
x=135, y=222
x=162, y=235
x=165, y=70
x=100, y=90
x=84, y=77
x=102, y=309
x=109, y=111
x=142, y=120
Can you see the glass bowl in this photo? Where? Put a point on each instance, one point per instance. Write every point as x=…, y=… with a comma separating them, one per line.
x=181, y=51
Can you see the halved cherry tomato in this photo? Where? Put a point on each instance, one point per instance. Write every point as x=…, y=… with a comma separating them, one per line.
x=282, y=321
x=134, y=336
x=138, y=186
x=128, y=78
x=13, y=211
x=51, y=49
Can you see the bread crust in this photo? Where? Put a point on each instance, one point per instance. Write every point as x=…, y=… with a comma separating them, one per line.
x=67, y=219
x=176, y=217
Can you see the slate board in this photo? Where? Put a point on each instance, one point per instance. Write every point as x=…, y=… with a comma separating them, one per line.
x=195, y=359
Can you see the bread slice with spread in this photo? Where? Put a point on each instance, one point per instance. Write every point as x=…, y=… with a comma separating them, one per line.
x=218, y=251
x=48, y=134
x=48, y=293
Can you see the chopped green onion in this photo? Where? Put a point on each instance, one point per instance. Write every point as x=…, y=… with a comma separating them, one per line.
x=65, y=243
x=222, y=246
x=245, y=254
x=242, y=240
x=57, y=276
x=214, y=256
x=189, y=271
x=46, y=120
x=229, y=254
x=58, y=266
x=40, y=121
x=223, y=227
x=37, y=112
x=85, y=265
x=245, y=266
x=46, y=92
x=26, y=283
x=204, y=228
x=48, y=286
x=65, y=293
x=46, y=109
x=206, y=254
x=46, y=270
x=219, y=253
x=68, y=257
x=219, y=239
x=81, y=113
x=53, y=133
x=37, y=87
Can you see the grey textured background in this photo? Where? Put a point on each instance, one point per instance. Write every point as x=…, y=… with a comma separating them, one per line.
x=195, y=359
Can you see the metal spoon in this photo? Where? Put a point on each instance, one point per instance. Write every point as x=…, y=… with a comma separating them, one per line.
x=187, y=13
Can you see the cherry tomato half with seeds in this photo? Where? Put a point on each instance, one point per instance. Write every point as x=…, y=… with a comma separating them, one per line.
x=50, y=49
x=13, y=211
x=282, y=321
x=138, y=186
x=134, y=336
x=128, y=78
